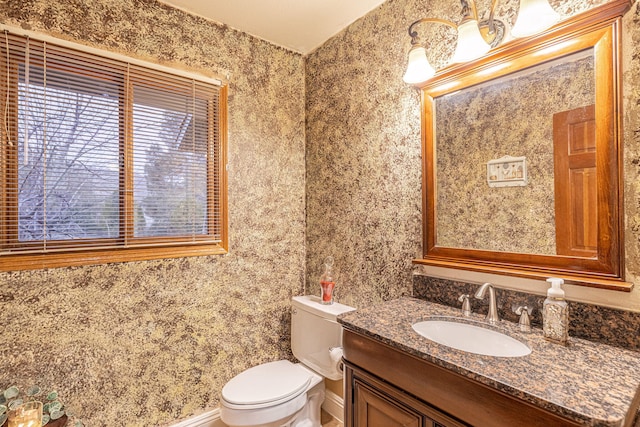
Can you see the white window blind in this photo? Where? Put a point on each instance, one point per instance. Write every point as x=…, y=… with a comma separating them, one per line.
x=101, y=154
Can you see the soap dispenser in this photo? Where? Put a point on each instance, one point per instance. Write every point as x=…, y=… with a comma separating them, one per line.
x=327, y=282
x=555, y=313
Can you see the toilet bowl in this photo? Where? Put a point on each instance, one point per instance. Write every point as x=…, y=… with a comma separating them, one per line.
x=286, y=394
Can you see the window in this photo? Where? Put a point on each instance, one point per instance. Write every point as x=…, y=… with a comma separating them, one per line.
x=104, y=160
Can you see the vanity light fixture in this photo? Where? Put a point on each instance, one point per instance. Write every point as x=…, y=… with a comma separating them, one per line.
x=476, y=38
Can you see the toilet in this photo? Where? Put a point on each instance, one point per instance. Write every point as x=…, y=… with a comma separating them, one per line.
x=285, y=394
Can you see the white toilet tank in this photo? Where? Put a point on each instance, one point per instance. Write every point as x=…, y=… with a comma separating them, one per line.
x=316, y=336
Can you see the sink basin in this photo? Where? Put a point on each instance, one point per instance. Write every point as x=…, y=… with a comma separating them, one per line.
x=471, y=338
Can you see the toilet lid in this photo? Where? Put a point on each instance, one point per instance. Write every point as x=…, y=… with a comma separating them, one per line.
x=269, y=382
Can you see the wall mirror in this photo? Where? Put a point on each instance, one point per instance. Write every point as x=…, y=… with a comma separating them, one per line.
x=522, y=171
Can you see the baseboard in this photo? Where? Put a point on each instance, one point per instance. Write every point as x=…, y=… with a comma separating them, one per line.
x=334, y=405
x=207, y=419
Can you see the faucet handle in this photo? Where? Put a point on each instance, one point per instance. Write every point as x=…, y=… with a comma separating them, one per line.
x=466, y=305
x=525, y=323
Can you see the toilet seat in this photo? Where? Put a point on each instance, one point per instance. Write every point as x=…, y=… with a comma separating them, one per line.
x=265, y=385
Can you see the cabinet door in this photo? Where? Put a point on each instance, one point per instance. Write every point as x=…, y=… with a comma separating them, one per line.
x=370, y=402
x=373, y=410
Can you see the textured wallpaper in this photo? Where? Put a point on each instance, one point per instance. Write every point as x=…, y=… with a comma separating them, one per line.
x=631, y=122
x=364, y=148
x=363, y=158
x=364, y=153
x=149, y=343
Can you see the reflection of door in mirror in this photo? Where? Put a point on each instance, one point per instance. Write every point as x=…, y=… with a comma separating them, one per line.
x=574, y=138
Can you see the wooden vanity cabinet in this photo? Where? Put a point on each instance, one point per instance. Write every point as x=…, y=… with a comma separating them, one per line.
x=388, y=387
x=376, y=403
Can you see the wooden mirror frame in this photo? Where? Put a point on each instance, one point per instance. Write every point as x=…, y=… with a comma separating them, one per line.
x=600, y=29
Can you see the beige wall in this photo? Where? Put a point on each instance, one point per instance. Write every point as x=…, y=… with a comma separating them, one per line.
x=148, y=343
x=363, y=156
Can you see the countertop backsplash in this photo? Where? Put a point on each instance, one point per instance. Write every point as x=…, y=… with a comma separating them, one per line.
x=587, y=321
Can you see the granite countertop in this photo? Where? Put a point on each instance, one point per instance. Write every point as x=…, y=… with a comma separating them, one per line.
x=593, y=384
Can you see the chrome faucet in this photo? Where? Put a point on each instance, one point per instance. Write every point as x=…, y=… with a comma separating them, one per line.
x=492, y=315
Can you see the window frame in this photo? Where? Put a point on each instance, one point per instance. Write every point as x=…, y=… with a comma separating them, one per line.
x=126, y=247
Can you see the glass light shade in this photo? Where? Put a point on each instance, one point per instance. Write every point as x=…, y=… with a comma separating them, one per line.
x=534, y=16
x=471, y=45
x=418, y=69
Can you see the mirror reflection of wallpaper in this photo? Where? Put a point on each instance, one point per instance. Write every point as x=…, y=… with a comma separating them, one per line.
x=511, y=116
